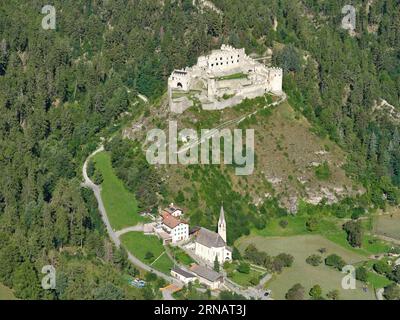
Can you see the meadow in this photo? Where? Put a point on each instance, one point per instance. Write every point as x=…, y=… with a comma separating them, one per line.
x=120, y=204
x=301, y=247
x=140, y=245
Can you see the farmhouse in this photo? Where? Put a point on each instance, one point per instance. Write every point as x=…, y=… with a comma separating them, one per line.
x=210, y=245
x=172, y=229
x=222, y=79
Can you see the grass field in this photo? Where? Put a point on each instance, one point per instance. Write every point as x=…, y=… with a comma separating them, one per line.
x=329, y=227
x=120, y=204
x=139, y=244
x=6, y=293
x=181, y=256
x=301, y=247
x=388, y=225
x=243, y=279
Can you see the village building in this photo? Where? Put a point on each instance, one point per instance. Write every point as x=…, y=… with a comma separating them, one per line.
x=208, y=277
x=210, y=245
x=174, y=211
x=222, y=79
x=183, y=275
x=172, y=229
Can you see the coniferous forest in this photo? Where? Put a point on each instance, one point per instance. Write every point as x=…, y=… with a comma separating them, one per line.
x=63, y=89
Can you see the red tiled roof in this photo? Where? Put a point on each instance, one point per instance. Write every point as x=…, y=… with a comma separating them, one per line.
x=170, y=221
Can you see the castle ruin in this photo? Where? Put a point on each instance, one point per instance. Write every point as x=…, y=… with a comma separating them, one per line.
x=220, y=80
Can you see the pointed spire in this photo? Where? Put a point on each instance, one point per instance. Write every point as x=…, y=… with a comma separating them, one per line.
x=221, y=216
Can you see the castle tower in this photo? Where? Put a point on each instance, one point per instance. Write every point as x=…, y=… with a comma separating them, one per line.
x=222, y=224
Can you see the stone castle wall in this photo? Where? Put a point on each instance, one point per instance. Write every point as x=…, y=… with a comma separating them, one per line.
x=257, y=80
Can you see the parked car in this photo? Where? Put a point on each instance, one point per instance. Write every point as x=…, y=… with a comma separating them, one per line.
x=137, y=283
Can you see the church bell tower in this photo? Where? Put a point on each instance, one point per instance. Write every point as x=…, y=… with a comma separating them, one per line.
x=222, y=225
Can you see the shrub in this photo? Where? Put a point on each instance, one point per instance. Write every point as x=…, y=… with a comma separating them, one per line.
x=244, y=268
x=312, y=224
x=149, y=255
x=362, y=274
x=295, y=293
x=287, y=259
x=354, y=233
x=382, y=267
x=314, y=260
x=333, y=295
x=392, y=292
x=283, y=223
x=335, y=261
x=316, y=292
x=323, y=172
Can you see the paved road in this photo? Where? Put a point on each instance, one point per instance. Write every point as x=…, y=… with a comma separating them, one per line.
x=137, y=228
x=114, y=235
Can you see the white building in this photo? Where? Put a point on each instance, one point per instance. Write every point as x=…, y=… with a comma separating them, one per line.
x=207, y=276
x=177, y=229
x=222, y=79
x=174, y=210
x=183, y=275
x=210, y=245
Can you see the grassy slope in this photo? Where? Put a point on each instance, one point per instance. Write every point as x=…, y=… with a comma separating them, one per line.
x=6, y=293
x=301, y=247
x=120, y=204
x=139, y=244
x=285, y=149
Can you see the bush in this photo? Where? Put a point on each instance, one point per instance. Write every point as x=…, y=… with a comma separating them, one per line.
x=312, y=224
x=98, y=178
x=333, y=295
x=287, y=259
x=382, y=267
x=335, y=261
x=392, y=292
x=244, y=268
x=295, y=293
x=149, y=255
x=314, y=260
x=323, y=172
x=316, y=292
x=354, y=233
x=362, y=274
x=283, y=223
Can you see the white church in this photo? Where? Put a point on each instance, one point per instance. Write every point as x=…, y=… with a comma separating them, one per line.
x=210, y=245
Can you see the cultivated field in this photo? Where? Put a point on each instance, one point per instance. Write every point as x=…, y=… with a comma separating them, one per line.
x=301, y=247
x=140, y=245
x=6, y=293
x=388, y=225
x=120, y=204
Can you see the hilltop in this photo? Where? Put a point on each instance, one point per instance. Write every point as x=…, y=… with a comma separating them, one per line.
x=290, y=157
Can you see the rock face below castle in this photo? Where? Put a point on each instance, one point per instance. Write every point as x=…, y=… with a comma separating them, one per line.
x=220, y=80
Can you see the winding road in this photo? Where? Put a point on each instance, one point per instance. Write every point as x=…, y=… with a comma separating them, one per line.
x=114, y=236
